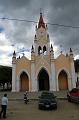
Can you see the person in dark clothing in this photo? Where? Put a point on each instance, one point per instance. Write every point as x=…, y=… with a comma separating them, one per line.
x=4, y=102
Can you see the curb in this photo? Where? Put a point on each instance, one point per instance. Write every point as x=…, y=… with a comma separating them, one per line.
x=32, y=99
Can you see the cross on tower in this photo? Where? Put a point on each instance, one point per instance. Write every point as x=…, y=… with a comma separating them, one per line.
x=61, y=49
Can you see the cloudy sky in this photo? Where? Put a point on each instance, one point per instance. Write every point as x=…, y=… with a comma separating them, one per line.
x=19, y=35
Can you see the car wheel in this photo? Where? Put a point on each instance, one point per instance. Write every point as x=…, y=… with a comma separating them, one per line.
x=39, y=107
x=56, y=107
x=69, y=100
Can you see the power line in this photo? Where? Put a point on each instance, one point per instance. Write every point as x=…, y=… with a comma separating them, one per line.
x=21, y=20
x=54, y=24
x=61, y=25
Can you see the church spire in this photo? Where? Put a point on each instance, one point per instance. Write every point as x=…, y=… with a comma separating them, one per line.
x=41, y=22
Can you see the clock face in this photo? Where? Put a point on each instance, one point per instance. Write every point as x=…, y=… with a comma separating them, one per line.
x=41, y=33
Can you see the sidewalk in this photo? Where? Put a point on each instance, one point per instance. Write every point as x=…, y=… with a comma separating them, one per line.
x=17, y=110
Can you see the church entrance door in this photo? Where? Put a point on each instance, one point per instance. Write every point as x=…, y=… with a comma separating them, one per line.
x=43, y=80
x=24, y=82
x=63, y=80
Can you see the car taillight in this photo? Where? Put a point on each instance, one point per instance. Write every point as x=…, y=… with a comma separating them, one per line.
x=68, y=93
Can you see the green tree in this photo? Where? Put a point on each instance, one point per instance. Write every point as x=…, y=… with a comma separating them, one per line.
x=5, y=76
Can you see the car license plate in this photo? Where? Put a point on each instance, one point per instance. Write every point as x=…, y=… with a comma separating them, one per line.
x=47, y=106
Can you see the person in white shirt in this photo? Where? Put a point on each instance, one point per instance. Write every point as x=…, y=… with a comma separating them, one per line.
x=4, y=103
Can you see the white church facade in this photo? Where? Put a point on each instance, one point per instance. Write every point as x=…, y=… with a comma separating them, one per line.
x=43, y=71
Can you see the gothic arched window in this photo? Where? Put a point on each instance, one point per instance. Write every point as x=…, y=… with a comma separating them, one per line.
x=39, y=50
x=44, y=50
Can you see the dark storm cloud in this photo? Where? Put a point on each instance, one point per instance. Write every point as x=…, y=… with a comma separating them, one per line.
x=14, y=4
x=64, y=12
x=21, y=9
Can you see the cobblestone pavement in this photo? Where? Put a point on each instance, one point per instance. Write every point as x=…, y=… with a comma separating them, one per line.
x=17, y=110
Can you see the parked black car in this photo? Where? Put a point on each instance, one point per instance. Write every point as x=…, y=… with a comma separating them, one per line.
x=47, y=100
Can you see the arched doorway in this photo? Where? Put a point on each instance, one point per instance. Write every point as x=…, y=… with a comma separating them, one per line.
x=63, y=80
x=24, y=82
x=43, y=80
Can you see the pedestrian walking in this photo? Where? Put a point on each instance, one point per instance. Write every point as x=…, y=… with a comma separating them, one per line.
x=4, y=102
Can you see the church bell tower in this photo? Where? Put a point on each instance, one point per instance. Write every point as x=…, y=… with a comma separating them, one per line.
x=41, y=41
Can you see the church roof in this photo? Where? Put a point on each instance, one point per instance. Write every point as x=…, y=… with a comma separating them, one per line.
x=41, y=22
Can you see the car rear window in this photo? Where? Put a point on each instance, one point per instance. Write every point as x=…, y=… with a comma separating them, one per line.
x=74, y=90
x=46, y=97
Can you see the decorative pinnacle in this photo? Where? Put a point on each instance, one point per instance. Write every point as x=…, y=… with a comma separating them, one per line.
x=41, y=22
x=70, y=50
x=51, y=46
x=14, y=53
x=32, y=47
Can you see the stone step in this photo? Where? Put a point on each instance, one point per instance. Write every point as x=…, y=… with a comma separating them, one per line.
x=31, y=95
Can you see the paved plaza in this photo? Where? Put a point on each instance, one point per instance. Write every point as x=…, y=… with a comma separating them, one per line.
x=18, y=110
